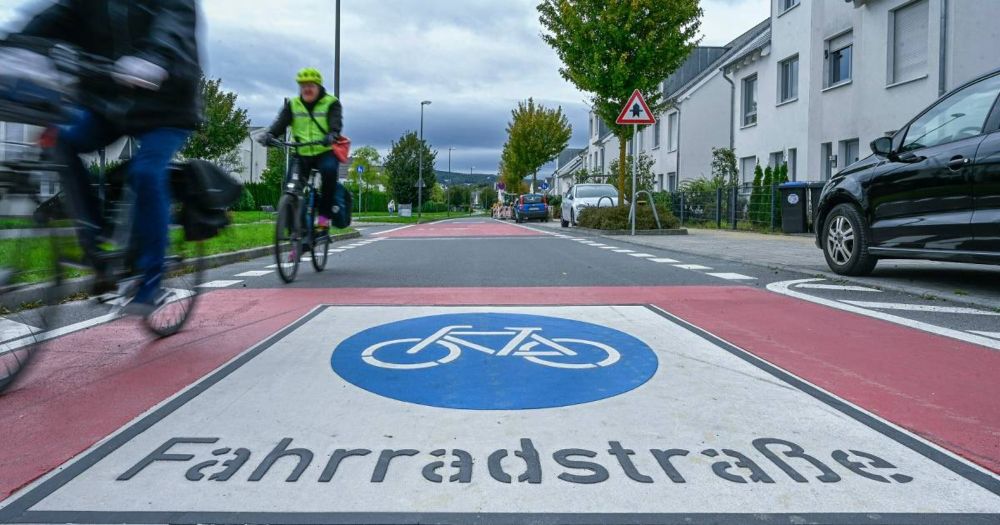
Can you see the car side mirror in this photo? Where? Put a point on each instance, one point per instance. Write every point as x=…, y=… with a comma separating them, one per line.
x=882, y=147
x=569, y=197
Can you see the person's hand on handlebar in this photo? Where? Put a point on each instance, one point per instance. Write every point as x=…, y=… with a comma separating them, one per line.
x=266, y=139
x=331, y=139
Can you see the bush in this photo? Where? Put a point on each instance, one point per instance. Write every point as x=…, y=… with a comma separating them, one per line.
x=435, y=207
x=246, y=202
x=263, y=194
x=616, y=218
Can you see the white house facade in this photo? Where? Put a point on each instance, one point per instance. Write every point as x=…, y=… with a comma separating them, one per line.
x=832, y=76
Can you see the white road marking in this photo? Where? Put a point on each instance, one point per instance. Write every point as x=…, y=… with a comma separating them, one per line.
x=645, y=255
x=692, y=267
x=218, y=284
x=59, y=332
x=255, y=273
x=624, y=251
x=994, y=335
x=837, y=287
x=394, y=229
x=609, y=248
x=663, y=260
x=733, y=276
x=598, y=245
x=785, y=288
x=335, y=250
x=920, y=308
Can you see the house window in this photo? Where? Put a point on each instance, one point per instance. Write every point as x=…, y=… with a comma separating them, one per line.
x=788, y=79
x=672, y=132
x=785, y=5
x=747, y=165
x=908, y=38
x=776, y=159
x=750, y=100
x=672, y=181
x=642, y=140
x=656, y=134
x=839, y=58
x=792, y=161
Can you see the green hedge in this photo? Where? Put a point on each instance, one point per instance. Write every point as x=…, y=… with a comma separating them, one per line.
x=263, y=194
x=616, y=218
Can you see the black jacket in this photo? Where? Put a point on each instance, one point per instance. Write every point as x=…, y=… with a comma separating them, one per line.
x=334, y=118
x=163, y=32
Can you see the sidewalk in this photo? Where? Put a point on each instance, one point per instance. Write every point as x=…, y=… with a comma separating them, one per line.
x=956, y=282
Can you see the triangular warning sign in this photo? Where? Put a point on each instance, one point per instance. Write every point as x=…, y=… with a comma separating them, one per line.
x=636, y=111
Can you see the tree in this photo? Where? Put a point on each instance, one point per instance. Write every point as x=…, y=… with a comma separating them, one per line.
x=402, y=167
x=610, y=49
x=643, y=175
x=487, y=196
x=535, y=136
x=225, y=127
x=368, y=158
x=274, y=171
x=509, y=171
x=724, y=171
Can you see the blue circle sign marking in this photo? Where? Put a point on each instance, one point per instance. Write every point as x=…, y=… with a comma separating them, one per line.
x=361, y=169
x=482, y=361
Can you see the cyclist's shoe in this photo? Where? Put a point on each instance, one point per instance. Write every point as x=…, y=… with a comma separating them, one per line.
x=322, y=222
x=104, y=281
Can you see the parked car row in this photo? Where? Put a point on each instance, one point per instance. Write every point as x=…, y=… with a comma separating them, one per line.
x=582, y=196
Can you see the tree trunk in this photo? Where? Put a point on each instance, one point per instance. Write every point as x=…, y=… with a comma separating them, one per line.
x=621, y=171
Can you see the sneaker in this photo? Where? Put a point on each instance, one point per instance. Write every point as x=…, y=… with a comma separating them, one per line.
x=323, y=222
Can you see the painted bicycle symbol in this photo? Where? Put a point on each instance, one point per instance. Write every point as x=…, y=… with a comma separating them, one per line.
x=521, y=342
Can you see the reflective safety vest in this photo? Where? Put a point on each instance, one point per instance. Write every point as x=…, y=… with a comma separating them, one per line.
x=310, y=127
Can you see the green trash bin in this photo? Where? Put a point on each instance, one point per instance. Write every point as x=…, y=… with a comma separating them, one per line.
x=793, y=207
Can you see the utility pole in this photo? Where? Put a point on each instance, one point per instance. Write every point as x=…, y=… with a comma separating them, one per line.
x=420, y=167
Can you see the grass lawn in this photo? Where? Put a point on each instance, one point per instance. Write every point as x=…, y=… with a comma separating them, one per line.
x=31, y=257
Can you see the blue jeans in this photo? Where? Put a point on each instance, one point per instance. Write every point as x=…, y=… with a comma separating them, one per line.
x=147, y=178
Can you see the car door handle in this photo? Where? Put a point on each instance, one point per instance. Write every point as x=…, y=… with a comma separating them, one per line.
x=957, y=162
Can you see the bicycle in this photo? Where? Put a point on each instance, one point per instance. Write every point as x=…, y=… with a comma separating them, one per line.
x=297, y=207
x=52, y=254
x=525, y=342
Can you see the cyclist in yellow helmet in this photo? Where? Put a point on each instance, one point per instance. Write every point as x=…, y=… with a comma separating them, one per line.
x=314, y=115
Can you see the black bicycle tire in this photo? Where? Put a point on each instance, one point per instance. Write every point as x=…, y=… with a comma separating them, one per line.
x=194, y=267
x=287, y=210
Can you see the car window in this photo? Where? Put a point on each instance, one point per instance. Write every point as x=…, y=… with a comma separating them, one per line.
x=961, y=115
x=532, y=199
x=591, y=192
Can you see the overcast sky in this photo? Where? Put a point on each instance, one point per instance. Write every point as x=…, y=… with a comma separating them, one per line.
x=473, y=58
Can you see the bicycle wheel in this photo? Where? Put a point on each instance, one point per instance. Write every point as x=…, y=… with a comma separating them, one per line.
x=320, y=248
x=183, y=273
x=287, y=238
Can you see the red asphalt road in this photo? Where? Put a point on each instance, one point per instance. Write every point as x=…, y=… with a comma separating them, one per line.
x=87, y=385
x=489, y=228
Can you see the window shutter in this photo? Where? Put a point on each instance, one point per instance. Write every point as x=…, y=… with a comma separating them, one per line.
x=910, y=37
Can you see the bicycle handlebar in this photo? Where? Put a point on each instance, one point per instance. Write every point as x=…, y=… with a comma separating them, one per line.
x=276, y=142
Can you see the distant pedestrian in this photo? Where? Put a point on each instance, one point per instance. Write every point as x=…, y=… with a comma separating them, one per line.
x=392, y=206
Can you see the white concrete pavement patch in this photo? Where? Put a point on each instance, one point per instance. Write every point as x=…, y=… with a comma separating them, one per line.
x=10, y=330
x=785, y=288
x=310, y=424
x=920, y=308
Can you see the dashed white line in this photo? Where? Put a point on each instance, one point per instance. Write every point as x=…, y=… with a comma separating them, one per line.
x=624, y=251
x=733, y=276
x=218, y=284
x=692, y=267
x=663, y=260
x=920, y=308
x=335, y=250
x=609, y=248
x=837, y=287
x=255, y=273
x=642, y=255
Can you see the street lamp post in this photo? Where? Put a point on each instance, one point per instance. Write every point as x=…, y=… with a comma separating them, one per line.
x=470, y=188
x=420, y=167
x=447, y=203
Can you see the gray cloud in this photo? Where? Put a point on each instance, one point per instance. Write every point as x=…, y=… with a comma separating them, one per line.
x=475, y=59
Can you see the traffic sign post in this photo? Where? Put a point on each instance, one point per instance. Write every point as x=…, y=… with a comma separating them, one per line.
x=635, y=112
x=361, y=169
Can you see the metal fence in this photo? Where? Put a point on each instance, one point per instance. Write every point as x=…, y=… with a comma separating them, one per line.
x=735, y=208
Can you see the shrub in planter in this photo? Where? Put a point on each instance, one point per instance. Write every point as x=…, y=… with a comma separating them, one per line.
x=616, y=218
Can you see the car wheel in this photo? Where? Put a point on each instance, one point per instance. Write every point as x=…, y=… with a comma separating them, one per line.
x=846, y=242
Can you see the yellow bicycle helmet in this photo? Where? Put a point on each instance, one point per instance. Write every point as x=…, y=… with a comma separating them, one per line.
x=309, y=75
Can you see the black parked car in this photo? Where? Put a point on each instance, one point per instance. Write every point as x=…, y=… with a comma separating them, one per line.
x=931, y=191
